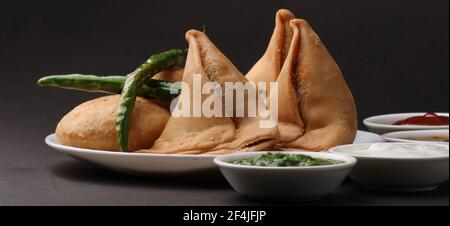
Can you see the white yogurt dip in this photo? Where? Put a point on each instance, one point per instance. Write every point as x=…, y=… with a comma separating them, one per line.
x=397, y=150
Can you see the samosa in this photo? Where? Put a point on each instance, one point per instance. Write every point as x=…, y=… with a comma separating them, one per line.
x=212, y=135
x=317, y=109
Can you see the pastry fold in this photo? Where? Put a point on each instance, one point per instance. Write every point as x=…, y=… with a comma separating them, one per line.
x=212, y=135
x=316, y=108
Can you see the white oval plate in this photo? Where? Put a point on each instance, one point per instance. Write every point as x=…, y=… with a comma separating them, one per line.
x=363, y=137
x=151, y=164
x=404, y=136
x=383, y=124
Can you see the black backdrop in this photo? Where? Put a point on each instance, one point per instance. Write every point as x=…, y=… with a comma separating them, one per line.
x=394, y=53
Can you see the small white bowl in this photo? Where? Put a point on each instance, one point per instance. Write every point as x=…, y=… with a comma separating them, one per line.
x=385, y=123
x=397, y=174
x=405, y=136
x=295, y=183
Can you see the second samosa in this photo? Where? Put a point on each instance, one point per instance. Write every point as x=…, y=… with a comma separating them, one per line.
x=317, y=109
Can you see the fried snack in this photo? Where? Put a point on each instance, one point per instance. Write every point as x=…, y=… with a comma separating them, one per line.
x=211, y=135
x=317, y=109
x=172, y=75
x=269, y=66
x=249, y=135
x=92, y=125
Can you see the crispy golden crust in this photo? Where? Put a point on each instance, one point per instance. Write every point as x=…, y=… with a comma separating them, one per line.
x=268, y=69
x=92, y=125
x=316, y=107
x=216, y=135
x=325, y=103
x=269, y=66
x=193, y=134
x=172, y=75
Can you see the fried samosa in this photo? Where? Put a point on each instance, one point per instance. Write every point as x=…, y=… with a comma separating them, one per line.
x=211, y=135
x=171, y=75
x=317, y=109
x=92, y=125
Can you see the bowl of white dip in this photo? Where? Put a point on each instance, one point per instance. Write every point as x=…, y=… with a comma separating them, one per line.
x=398, y=166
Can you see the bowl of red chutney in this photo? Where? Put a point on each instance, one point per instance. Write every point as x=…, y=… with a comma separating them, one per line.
x=388, y=123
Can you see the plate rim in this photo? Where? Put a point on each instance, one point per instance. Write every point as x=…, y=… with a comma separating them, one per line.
x=386, y=137
x=368, y=122
x=51, y=140
x=364, y=157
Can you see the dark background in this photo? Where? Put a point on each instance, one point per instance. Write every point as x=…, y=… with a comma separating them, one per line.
x=394, y=55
